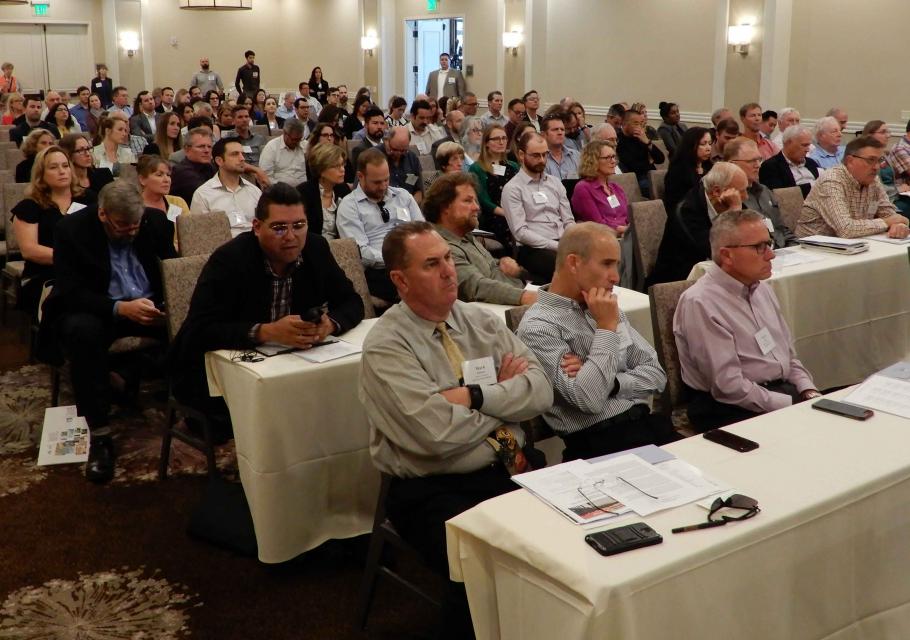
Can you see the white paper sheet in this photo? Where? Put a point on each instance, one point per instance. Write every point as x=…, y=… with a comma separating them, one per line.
x=64, y=437
x=333, y=351
x=882, y=393
x=792, y=256
x=883, y=237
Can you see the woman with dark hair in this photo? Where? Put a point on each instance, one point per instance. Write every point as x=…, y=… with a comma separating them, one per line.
x=167, y=136
x=354, y=122
x=258, y=111
x=319, y=87
x=36, y=141
x=214, y=99
x=324, y=188
x=85, y=173
x=672, y=130
x=332, y=115
x=102, y=86
x=59, y=121
x=270, y=118
x=186, y=113
x=689, y=164
x=396, y=118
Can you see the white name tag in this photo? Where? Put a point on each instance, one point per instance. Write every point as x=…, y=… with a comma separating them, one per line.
x=613, y=201
x=410, y=180
x=499, y=170
x=769, y=225
x=540, y=197
x=255, y=74
x=403, y=214
x=246, y=148
x=211, y=77
x=573, y=175
x=173, y=212
x=765, y=341
x=239, y=220
x=451, y=80
x=74, y=207
x=481, y=371
x=98, y=85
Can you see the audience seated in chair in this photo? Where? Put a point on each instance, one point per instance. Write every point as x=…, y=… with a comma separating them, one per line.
x=791, y=167
x=637, y=153
x=688, y=166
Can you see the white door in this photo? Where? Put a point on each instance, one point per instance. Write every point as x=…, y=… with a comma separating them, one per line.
x=69, y=55
x=425, y=40
x=23, y=45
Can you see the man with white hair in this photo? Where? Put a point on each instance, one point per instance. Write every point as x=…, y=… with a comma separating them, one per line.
x=840, y=115
x=605, y=132
x=685, y=240
x=828, y=151
x=735, y=348
x=791, y=167
x=286, y=110
x=787, y=117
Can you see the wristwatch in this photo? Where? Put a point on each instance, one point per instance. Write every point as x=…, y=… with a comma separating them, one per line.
x=476, y=396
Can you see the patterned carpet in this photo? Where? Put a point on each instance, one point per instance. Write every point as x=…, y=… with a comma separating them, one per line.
x=85, y=562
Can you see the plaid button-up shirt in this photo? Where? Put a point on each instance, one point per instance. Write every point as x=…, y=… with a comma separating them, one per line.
x=839, y=206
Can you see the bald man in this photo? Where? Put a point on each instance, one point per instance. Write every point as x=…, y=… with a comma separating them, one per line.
x=602, y=370
x=404, y=165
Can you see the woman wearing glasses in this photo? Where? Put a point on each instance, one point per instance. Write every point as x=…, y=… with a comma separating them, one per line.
x=492, y=171
x=325, y=133
x=878, y=129
x=51, y=195
x=325, y=188
x=85, y=174
x=594, y=198
x=691, y=161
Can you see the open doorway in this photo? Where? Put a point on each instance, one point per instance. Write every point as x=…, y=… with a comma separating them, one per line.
x=425, y=40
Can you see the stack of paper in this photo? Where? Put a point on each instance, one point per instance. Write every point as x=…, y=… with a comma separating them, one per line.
x=330, y=351
x=792, y=256
x=833, y=244
x=883, y=237
x=887, y=391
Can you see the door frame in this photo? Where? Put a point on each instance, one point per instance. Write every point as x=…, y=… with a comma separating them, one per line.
x=55, y=21
x=406, y=37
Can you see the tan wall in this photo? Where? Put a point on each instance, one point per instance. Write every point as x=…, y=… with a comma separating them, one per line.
x=132, y=70
x=289, y=37
x=743, y=76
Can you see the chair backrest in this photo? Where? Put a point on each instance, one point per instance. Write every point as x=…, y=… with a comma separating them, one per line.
x=261, y=129
x=663, y=299
x=178, y=279
x=790, y=203
x=663, y=148
x=347, y=255
x=514, y=316
x=629, y=184
x=427, y=163
x=4, y=134
x=13, y=157
x=7, y=144
x=648, y=219
x=352, y=144
x=202, y=233
x=657, y=183
x=13, y=193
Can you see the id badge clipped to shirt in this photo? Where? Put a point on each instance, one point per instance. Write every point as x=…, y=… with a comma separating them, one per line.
x=613, y=201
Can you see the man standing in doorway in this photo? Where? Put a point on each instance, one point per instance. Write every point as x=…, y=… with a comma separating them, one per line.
x=445, y=81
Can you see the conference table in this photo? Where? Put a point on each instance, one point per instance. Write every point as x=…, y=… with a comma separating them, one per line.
x=302, y=440
x=826, y=557
x=849, y=315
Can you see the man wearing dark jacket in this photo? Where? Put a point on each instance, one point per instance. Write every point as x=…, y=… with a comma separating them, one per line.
x=792, y=166
x=108, y=285
x=248, y=78
x=257, y=288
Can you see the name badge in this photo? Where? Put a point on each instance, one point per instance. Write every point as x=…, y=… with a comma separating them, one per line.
x=246, y=148
x=573, y=175
x=211, y=77
x=613, y=201
x=74, y=207
x=410, y=180
x=451, y=80
x=255, y=74
x=98, y=85
x=481, y=371
x=403, y=214
x=239, y=220
x=769, y=225
x=540, y=197
x=172, y=212
x=765, y=341
x=499, y=169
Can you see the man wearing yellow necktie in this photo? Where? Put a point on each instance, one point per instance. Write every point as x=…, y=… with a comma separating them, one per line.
x=445, y=385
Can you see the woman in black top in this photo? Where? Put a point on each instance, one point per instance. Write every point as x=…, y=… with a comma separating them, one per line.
x=167, y=136
x=59, y=116
x=37, y=140
x=691, y=162
x=85, y=174
x=672, y=130
x=49, y=197
x=324, y=190
x=319, y=88
x=354, y=122
x=102, y=86
x=269, y=118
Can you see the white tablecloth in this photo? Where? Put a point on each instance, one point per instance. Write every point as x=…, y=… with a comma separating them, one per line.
x=635, y=304
x=302, y=442
x=849, y=315
x=826, y=558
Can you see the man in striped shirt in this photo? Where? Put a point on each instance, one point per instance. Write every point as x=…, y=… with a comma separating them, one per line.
x=602, y=371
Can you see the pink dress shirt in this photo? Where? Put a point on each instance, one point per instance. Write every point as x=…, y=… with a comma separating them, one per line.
x=589, y=204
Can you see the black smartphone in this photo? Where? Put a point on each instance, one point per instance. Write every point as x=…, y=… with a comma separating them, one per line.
x=313, y=314
x=843, y=409
x=727, y=439
x=631, y=536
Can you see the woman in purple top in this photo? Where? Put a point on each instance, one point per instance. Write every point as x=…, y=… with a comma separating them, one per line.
x=594, y=198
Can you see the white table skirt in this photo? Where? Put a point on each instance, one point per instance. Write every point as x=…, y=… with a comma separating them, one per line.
x=849, y=315
x=826, y=558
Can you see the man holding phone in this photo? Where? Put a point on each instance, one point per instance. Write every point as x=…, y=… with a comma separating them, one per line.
x=735, y=348
x=274, y=284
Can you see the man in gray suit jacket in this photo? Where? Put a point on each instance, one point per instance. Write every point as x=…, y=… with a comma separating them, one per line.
x=445, y=81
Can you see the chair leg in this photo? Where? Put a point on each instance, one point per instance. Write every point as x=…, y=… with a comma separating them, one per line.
x=368, y=582
x=166, y=437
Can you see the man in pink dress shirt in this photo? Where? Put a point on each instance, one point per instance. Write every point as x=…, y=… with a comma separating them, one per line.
x=734, y=346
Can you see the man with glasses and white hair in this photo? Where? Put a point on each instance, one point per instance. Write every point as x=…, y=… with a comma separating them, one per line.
x=786, y=118
x=828, y=151
x=791, y=167
x=735, y=348
x=108, y=285
x=848, y=201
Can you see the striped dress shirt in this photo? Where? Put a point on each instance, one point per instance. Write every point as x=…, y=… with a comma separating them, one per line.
x=556, y=325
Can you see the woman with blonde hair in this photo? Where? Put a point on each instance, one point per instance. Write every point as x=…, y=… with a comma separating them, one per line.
x=154, y=173
x=112, y=149
x=37, y=140
x=51, y=194
x=15, y=107
x=450, y=157
x=472, y=137
x=594, y=199
x=325, y=188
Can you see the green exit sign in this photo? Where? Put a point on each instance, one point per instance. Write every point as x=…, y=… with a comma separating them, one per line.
x=432, y=5
x=40, y=9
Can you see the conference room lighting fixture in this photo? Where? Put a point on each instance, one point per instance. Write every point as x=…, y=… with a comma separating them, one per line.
x=220, y=5
x=369, y=42
x=129, y=41
x=511, y=40
x=740, y=37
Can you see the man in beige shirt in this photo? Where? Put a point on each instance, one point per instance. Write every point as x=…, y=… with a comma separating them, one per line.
x=849, y=201
x=437, y=436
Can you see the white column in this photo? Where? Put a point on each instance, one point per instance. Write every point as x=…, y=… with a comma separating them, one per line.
x=145, y=38
x=111, y=45
x=775, y=62
x=500, y=52
x=721, y=20
x=387, y=17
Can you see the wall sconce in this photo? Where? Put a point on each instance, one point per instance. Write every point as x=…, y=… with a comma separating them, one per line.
x=740, y=37
x=129, y=40
x=369, y=42
x=511, y=40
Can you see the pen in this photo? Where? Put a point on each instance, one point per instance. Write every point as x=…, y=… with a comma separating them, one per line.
x=703, y=525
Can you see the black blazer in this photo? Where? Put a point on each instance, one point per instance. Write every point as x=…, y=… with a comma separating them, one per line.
x=104, y=89
x=685, y=240
x=775, y=173
x=234, y=293
x=265, y=121
x=312, y=202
